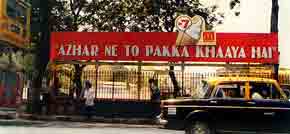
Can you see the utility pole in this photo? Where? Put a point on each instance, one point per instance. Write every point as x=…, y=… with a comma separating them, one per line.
x=35, y=29
x=274, y=29
x=41, y=11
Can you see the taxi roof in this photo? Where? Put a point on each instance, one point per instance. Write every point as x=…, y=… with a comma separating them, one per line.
x=236, y=79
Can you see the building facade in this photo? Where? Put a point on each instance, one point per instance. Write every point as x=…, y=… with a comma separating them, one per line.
x=14, y=39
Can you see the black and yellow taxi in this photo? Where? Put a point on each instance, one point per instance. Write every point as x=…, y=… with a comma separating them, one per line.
x=234, y=104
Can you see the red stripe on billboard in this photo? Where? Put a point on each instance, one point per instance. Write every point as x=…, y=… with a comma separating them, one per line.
x=161, y=46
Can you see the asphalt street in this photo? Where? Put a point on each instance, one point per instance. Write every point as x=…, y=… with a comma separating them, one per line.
x=58, y=127
x=105, y=130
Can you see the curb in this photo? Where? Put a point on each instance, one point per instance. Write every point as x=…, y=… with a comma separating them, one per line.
x=8, y=113
x=8, y=116
x=133, y=121
x=21, y=122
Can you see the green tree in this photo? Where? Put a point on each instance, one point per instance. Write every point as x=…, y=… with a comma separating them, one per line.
x=69, y=15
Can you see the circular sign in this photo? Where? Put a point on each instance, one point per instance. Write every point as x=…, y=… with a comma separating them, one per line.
x=183, y=22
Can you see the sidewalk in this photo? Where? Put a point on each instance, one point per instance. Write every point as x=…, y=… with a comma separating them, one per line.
x=77, y=121
x=20, y=115
x=66, y=124
x=135, y=121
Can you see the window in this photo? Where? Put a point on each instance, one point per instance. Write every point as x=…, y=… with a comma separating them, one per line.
x=230, y=90
x=260, y=90
x=35, y=14
x=16, y=11
x=21, y=14
x=11, y=11
x=275, y=94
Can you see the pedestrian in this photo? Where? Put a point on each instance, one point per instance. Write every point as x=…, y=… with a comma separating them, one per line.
x=72, y=91
x=156, y=100
x=155, y=92
x=88, y=96
x=53, y=93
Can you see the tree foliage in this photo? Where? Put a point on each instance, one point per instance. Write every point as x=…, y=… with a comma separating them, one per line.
x=128, y=15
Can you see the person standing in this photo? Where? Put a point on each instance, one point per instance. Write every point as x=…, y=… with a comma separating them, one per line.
x=155, y=92
x=88, y=95
x=156, y=100
x=52, y=96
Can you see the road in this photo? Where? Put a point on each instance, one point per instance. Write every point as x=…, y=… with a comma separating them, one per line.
x=88, y=128
x=84, y=128
x=106, y=130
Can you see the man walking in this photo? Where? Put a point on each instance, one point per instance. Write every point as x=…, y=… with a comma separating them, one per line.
x=89, y=97
x=155, y=99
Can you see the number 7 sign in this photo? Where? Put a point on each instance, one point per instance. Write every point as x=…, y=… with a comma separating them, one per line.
x=183, y=22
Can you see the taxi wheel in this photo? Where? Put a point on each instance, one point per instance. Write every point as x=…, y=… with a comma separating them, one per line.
x=199, y=127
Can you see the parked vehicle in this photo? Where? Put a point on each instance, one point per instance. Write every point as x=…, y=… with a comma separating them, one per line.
x=286, y=89
x=234, y=104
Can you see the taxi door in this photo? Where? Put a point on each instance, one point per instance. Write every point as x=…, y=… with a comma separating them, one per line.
x=270, y=108
x=229, y=106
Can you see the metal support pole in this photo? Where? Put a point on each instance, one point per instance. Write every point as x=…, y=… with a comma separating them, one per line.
x=276, y=72
x=274, y=29
x=139, y=79
x=182, y=77
x=113, y=84
x=96, y=86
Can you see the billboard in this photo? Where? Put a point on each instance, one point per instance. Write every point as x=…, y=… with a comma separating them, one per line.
x=162, y=46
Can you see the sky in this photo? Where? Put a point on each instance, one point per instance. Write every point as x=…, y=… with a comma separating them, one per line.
x=255, y=18
x=284, y=34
